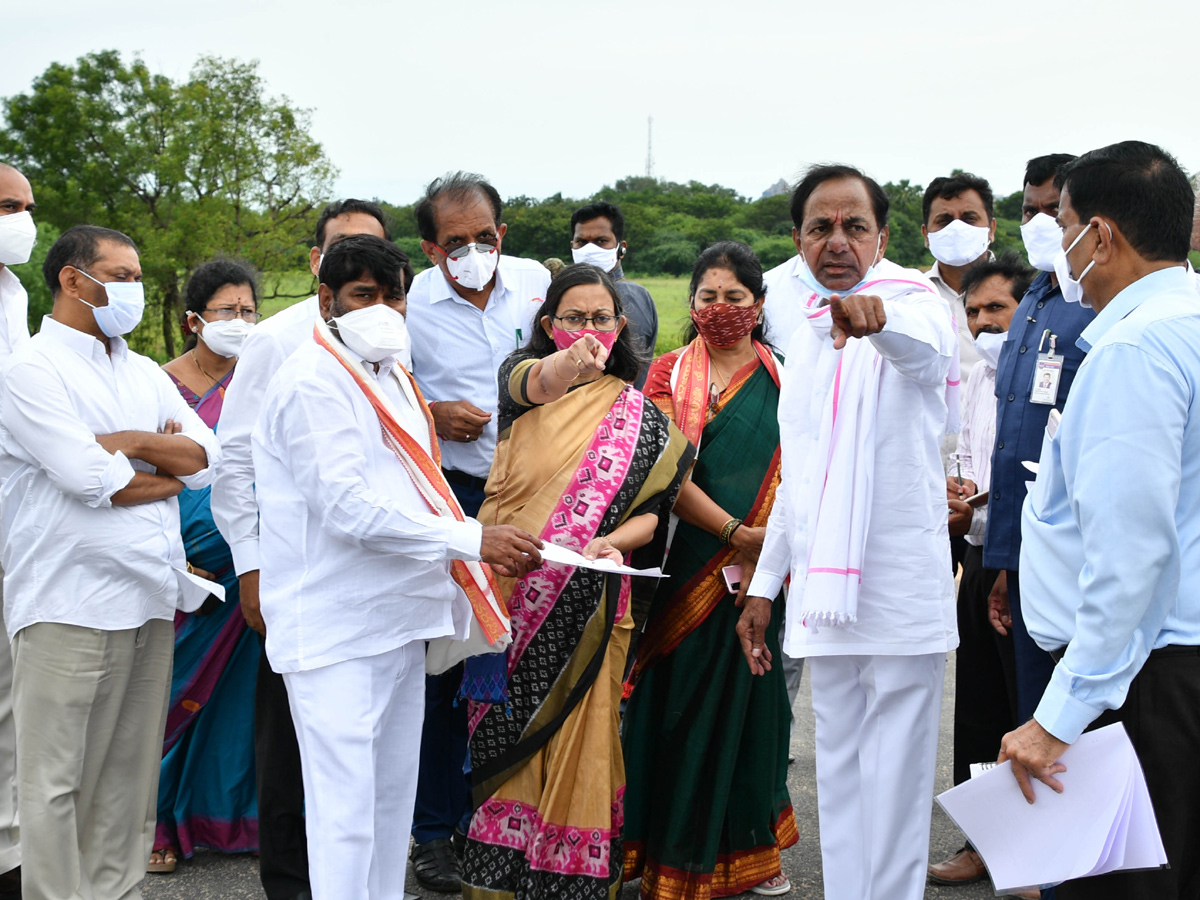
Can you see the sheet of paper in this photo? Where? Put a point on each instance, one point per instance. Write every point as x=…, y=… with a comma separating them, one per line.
x=1030, y=465
x=195, y=590
x=1103, y=820
x=564, y=556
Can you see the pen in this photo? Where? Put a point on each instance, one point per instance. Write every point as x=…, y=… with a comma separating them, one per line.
x=958, y=469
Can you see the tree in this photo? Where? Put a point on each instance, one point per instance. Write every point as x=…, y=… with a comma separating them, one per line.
x=190, y=171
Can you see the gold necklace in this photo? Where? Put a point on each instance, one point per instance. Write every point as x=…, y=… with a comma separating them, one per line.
x=196, y=360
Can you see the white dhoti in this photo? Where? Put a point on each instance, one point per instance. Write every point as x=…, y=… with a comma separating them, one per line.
x=876, y=736
x=358, y=724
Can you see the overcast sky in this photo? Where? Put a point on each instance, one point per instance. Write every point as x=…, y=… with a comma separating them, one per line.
x=544, y=97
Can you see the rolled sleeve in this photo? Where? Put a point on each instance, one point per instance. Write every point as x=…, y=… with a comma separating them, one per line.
x=115, y=477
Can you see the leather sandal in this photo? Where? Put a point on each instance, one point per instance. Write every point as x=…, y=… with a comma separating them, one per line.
x=165, y=862
x=436, y=867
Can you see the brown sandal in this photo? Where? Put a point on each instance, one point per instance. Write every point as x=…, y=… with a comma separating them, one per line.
x=162, y=861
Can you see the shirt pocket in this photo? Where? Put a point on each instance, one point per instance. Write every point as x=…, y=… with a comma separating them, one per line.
x=1041, y=491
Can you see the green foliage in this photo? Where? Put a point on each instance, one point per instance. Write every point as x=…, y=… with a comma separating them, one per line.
x=190, y=171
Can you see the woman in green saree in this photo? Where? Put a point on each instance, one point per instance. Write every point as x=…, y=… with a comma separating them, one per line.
x=587, y=462
x=706, y=743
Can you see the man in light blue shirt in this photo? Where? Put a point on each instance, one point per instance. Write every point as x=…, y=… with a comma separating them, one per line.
x=1110, y=556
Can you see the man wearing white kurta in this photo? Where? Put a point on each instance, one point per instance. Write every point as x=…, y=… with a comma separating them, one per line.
x=356, y=568
x=17, y=237
x=860, y=525
x=95, y=444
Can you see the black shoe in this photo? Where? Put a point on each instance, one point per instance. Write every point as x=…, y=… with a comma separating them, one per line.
x=459, y=840
x=10, y=884
x=435, y=866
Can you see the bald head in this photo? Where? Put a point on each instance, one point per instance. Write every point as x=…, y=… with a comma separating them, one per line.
x=15, y=193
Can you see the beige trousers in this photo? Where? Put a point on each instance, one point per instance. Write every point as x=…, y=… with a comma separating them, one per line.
x=10, y=836
x=90, y=708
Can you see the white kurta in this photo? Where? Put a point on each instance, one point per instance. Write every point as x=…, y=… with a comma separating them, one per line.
x=976, y=440
x=906, y=599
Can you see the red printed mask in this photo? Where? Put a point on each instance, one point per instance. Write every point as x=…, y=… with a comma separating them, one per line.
x=723, y=325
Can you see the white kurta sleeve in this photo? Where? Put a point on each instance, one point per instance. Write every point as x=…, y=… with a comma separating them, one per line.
x=918, y=339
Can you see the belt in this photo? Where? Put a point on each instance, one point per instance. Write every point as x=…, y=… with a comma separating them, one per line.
x=463, y=479
x=1170, y=650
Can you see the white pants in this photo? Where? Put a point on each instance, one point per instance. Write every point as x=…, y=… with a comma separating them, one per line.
x=877, y=735
x=358, y=723
x=10, y=844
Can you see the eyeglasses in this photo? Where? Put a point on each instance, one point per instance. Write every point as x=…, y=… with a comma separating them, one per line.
x=228, y=315
x=603, y=322
x=483, y=246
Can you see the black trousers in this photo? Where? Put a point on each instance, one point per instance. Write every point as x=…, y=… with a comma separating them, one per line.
x=1162, y=717
x=282, y=841
x=985, y=686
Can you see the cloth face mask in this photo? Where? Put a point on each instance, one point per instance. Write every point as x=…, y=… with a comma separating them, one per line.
x=723, y=325
x=126, y=303
x=223, y=338
x=474, y=270
x=958, y=243
x=374, y=332
x=989, y=346
x=1043, y=241
x=604, y=260
x=564, y=339
x=17, y=236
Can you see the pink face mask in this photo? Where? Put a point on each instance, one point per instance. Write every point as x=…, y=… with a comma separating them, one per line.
x=564, y=339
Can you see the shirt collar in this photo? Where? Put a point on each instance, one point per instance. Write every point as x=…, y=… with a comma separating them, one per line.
x=441, y=288
x=82, y=342
x=1133, y=296
x=618, y=273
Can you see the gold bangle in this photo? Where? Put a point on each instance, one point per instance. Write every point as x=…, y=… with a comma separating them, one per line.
x=191, y=571
x=557, y=374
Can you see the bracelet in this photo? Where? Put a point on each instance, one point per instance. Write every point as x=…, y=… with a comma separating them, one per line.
x=190, y=570
x=727, y=532
x=554, y=368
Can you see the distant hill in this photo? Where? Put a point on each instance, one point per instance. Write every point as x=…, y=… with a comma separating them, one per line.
x=779, y=187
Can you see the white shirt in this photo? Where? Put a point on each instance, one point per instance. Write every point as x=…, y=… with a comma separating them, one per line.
x=782, y=308
x=976, y=440
x=266, y=347
x=353, y=561
x=14, y=323
x=906, y=598
x=70, y=556
x=457, y=348
x=967, y=354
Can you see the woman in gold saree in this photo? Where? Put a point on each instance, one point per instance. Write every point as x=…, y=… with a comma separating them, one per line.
x=586, y=462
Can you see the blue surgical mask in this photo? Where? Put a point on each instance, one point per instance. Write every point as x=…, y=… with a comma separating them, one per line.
x=126, y=303
x=810, y=280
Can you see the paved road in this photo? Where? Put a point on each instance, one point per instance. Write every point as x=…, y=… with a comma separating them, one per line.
x=210, y=876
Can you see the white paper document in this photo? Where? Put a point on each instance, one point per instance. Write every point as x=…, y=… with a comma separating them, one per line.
x=1101, y=822
x=555, y=554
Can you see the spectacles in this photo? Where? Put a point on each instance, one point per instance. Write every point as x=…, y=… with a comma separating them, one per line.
x=226, y=314
x=484, y=246
x=603, y=322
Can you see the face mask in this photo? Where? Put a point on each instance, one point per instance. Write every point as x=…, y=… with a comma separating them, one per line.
x=604, y=260
x=723, y=325
x=1043, y=241
x=474, y=270
x=959, y=243
x=223, y=338
x=126, y=303
x=1072, y=288
x=17, y=234
x=564, y=339
x=810, y=280
x=374, y=332
x=989, y=344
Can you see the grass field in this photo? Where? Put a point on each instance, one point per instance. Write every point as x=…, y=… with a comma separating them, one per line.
x=669, y=293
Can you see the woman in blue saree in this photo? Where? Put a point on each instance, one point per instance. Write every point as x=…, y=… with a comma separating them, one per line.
x=206, y=793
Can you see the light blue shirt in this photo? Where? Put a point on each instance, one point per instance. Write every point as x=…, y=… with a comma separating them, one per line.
x=1110, y=554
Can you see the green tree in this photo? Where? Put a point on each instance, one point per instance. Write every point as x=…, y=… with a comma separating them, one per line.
x=209, y=167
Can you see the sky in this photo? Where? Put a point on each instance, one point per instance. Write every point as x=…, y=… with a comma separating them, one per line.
x=548, y=97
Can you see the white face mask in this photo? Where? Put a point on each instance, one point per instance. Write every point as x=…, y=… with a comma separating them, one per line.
x=1072, y=288
x=223, y=338
x=375, y=333
x=959, y=243
x=126, y=303
x=1043, y=241
x=17, y=236
x=476, y=269
x=989, y=344
x=810, y=280
x=602, y=259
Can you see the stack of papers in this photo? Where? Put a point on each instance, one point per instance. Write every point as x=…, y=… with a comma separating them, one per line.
x=564, y=556
x=1102, y=821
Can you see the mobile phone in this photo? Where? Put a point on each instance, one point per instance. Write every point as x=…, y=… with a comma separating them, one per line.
x=977, y=500
x=733, y=578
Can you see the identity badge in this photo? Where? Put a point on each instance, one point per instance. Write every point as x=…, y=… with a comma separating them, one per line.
x=1045, y=379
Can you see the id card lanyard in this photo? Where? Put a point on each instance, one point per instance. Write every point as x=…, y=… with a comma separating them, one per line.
x=1048, y=372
